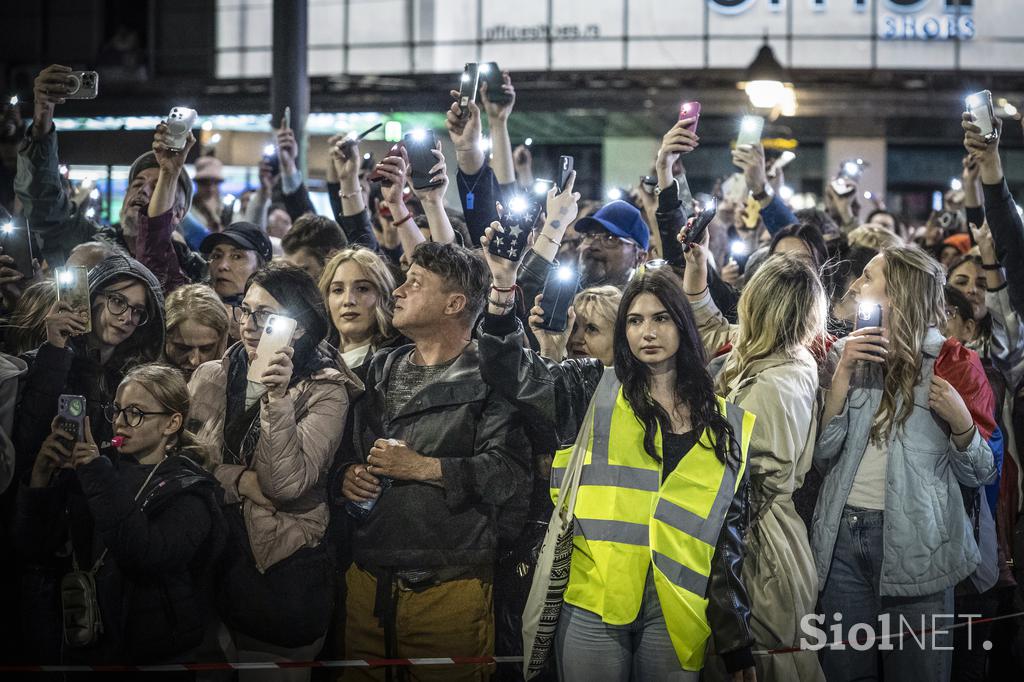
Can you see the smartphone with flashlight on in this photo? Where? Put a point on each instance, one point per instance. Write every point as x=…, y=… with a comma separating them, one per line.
x=73, y=289
x=751, y=128
x=868, y=315
x=560, y=288
x=277, y=334
x=979, y=106
x=692, y=110
x=739, y=252
x=16, y=242
x=700, y=223
x=419, y=145
x=517, y=220
x=468, y=86
x=491, y=74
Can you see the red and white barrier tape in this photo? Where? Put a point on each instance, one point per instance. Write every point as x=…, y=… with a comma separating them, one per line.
x=398, y=662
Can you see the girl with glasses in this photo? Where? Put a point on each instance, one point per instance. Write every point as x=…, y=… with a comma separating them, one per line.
x=143, y=516
x=127, y=320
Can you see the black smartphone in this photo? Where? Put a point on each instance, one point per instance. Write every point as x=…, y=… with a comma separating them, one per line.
x=868, y=315
x=565, y=167
x=468, y=87
x=560, y=288
x=518, y=220
x=16, y=241
x=375, y=176
x=491, y=74
x=739, y=253
x=419, y=145
x=270, y=158
x=701, y=222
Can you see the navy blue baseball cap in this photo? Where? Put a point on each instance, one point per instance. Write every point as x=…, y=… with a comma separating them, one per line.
x=243, y=235
x=621, y=219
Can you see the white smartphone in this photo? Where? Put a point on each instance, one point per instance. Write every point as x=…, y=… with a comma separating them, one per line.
x=179, y=122
x=751, y=128
x=288, y=117
x=979, y=105
x=277, y=334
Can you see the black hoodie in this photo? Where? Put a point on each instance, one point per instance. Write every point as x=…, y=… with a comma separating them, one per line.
x=76, y=370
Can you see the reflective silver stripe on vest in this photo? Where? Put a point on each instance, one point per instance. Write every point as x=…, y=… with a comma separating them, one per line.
x=707, y=530
x=619, y=476
x=614, y=531
x=556, y=476
x=681, y=576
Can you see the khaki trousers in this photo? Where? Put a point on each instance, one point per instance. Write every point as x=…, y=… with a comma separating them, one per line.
x=452, y=619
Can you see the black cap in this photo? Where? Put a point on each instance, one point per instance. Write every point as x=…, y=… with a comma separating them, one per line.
x=243, y=235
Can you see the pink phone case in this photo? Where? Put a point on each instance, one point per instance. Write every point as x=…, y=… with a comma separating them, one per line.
x=690, y=110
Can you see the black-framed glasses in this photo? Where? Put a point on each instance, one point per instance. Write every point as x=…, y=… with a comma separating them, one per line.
x=133, y=416
x=241, y=313
x=118, y=304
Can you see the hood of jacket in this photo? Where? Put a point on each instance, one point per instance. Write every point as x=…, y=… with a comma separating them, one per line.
x=149, y=336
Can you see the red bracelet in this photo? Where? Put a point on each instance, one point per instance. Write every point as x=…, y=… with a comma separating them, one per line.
x=407, y=218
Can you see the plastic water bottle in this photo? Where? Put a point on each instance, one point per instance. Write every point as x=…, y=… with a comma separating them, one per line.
x=360, y=510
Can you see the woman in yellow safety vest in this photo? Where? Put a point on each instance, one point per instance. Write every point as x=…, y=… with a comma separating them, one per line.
x=662, y=503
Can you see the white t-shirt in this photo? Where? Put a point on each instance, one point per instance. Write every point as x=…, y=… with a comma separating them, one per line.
x=868, y=491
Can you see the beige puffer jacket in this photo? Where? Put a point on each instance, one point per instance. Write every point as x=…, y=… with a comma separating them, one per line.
x=299, y=436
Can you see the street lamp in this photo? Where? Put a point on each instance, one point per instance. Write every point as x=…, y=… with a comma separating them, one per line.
x=765, y=83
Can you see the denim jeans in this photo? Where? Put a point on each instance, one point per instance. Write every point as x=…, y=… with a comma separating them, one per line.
x=590, y=650
x=852, y=589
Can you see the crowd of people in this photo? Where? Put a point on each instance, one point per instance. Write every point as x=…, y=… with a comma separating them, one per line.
x=757, y=458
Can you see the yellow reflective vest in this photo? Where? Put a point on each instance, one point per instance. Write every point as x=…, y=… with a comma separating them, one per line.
x=627, y=519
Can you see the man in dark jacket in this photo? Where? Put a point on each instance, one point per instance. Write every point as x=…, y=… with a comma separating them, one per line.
x=459, y=466
x=49, y=210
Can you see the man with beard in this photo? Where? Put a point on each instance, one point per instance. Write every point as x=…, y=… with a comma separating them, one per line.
x=614, y=244
x=49, y=210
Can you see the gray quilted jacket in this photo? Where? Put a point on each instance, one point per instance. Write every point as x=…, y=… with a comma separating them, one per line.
x=928, y=544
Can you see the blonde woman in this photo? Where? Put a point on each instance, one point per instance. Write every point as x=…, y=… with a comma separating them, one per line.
x=594, y=332
x=873, y=237
x=356, y=285
x=896, y=445
x=25, y=328
x=196, y=328
x=771, y=373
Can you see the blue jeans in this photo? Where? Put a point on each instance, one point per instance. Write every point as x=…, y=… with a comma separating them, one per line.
x=590, y=650
x=852, y=589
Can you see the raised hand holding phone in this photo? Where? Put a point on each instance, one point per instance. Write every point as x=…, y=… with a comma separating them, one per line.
x=679, y=140
x=552, y=320
x=54, y=454
x=287, y=145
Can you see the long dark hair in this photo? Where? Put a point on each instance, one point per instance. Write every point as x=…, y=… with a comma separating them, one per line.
x=694, y=386
x=296, y=291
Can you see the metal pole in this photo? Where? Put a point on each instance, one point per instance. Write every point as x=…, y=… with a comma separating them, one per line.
x=289, y=80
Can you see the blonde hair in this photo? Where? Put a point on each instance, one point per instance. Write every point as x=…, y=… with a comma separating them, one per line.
x=168, y=387
x=873, y=237
x=200, y=303
x=25, y=329
x=599, y=302
x=914, y=284
x=782, y=309
x=379, y=275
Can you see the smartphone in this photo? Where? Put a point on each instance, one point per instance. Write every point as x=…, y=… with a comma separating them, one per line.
x=16, y=242
x=785, y=158
x=491, y=74
x=560, y=288
x=468, y=87
x=648, y=183
x=272, y=160
x=73, y=289
x=692, y=110
x=71, y=415
x=937, y=201
x=179, y=122
x=277, y=334
x=84, y=85
x=739, y=253
x=701, y=222
x=375, y=176
x=288, y=118
x=751, y=128
x=868, y=315
x=979, y=105
x=419, y=146
x=565, y=168
x=518, y=221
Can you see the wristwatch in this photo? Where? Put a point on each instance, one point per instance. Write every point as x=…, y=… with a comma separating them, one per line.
x=764, y=196
x=658, y=189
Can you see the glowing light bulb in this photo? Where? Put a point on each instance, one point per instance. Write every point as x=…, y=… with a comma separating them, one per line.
x=765, y=94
